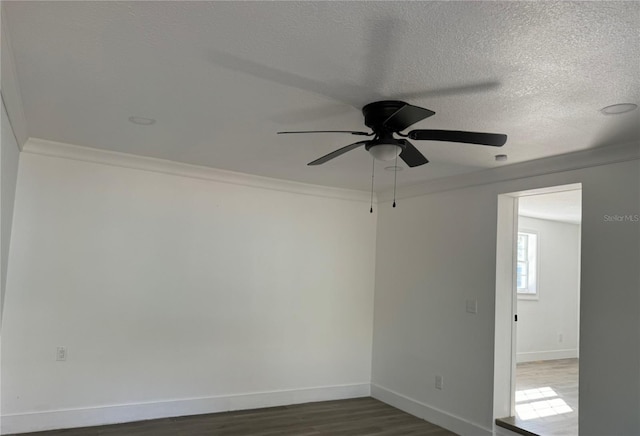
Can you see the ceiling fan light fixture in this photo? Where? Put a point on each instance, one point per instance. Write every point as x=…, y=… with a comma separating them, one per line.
x=385, y=152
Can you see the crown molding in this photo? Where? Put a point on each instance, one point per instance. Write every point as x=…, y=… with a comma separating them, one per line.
x=9, y=86
x=555, y=164
x=539, y=167
x=125, y=160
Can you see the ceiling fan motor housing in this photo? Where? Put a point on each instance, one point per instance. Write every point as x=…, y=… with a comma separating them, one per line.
x=383, y=146
x=376, y=113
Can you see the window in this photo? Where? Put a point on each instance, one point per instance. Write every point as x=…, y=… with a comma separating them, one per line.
x=527, y=263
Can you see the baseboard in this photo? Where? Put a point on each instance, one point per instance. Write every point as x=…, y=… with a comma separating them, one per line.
x=533, y=356
x=421, y=410
x=120, y=413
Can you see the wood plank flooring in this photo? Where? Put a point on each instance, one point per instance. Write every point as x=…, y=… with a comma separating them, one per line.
x=547, y=397
x=360, y=416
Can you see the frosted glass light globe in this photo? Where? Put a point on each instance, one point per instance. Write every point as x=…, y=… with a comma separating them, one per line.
x=385, y=152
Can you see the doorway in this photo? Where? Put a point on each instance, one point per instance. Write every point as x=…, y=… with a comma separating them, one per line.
x=537, y=310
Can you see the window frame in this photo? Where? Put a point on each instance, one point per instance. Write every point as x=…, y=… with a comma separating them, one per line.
x=535, y=261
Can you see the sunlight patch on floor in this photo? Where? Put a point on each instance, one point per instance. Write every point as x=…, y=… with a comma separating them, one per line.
x=538, y=403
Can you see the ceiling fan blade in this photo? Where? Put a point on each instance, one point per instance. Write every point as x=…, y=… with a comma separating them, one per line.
x=450, y=90
x=310, y=114
x=411, y=155
x=406, y=116
x=337, y=153
x=346, y=94
x=328, y=131
x=492, y=139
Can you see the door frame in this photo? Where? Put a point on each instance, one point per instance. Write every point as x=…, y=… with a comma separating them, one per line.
x=506, y=300
x=504, y=369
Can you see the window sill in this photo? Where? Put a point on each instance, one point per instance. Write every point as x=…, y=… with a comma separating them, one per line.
x=531, y=297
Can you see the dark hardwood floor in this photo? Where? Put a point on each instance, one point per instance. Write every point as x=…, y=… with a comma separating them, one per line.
x=360, y=416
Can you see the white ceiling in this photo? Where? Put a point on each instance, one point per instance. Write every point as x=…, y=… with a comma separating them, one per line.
x=565, y=206
x=221, y=78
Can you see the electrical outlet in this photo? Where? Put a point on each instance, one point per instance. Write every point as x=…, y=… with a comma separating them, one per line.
x=61, y=353
x=439, y=382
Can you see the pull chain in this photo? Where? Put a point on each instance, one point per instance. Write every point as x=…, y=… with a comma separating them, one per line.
x=373, y=170
x=395, y=175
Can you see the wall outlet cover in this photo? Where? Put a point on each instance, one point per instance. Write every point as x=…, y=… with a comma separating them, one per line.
x=61, y=353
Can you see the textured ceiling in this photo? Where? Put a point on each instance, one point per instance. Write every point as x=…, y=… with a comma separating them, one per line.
x=221, y=78
x=565, y=206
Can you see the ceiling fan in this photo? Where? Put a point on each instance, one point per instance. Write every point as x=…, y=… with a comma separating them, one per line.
x=388, y=117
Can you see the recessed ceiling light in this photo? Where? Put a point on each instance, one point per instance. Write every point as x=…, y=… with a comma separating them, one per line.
x=393, y=168
x=501, y=157
x=617, y=109
x=142, y=121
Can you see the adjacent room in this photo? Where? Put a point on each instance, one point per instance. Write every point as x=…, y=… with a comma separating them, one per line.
x=319, y=218
x=546, y=312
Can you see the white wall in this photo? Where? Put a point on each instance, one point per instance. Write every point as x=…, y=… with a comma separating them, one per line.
x=9, y=83
x=555, y=312
x=435, y=251
x=9, y=156
x=172, y=294
x=178, y=295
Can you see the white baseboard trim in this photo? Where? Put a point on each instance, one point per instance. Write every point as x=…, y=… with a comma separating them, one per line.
x=533, y=356
x=119, y=413
x=421, y=410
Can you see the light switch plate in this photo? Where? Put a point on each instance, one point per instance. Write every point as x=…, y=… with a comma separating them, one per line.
x=472, y=306
x=439, y=382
